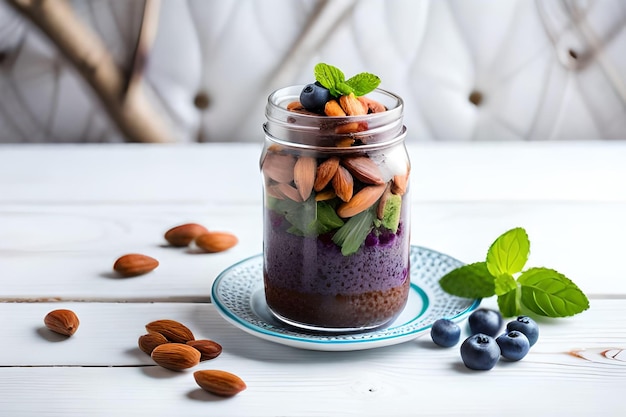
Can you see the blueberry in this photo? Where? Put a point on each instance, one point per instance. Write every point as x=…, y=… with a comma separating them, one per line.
x=314, y=97
x=485, y=321
x=445, y=333
x=480, y=352
x=527, y=326
x=514, y=345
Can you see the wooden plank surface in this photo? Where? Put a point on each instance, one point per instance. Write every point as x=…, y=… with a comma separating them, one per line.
x=579, y=361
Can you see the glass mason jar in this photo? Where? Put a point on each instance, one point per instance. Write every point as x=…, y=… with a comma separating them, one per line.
x=336, y=215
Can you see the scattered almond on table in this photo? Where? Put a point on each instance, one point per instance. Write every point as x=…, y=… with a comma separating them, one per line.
x=134, y=264
x=62, y=321
x=219, y=382
x=184, y=234
x=216, y=241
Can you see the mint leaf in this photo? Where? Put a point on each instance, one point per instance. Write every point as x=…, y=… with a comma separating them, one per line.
x=469, y=281
x=330, y=77
x=509, y=303
x=504, y=283
x=363, y=83
x=353, y=233
x=327, y=218
x=509, y=253
x=549, y=293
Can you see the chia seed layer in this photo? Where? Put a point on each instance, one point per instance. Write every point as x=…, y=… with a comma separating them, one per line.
x=309, y=280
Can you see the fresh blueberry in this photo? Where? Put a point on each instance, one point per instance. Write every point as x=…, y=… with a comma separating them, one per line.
x=314, y=97
x=485, y=321
x=480, y=352
x=514, y=345
x=445, y=332
x=527, y=326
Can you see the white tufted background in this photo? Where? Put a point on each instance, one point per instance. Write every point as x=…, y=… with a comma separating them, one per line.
x=534, y=70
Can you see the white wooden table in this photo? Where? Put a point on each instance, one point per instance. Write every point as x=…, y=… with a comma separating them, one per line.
x=67, y=212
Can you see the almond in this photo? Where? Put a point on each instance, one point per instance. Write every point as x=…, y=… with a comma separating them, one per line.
x=352, y=127
x=351, y=105
x=380, y=210
x=279, y=166
x=208, y=349
x=216, y=241
x=134, y=264
x=149, y=341
x=325, y=172
x=399, y=184
x=62, y=321
x=297, y=107
x=371, y=105
x=184, y=234
x=171, y=329
x=364, y=169
x=333, y=109
x=325, y=195
x=343, y=183
x=289, y=192
x=304, y=175
x=219, y=382
x=176, y=356
x=361, y=201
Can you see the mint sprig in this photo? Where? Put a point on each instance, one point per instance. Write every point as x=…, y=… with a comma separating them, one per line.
x=335, y=81
x=543, y=291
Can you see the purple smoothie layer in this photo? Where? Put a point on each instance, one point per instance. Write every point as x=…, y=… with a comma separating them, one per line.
x=317, y=266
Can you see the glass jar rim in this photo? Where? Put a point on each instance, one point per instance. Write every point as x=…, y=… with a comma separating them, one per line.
x=296, y=129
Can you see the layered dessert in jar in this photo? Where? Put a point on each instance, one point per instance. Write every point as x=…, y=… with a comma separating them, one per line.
x=336, y=208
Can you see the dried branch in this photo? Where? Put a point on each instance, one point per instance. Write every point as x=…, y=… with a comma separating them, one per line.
x=128, y=107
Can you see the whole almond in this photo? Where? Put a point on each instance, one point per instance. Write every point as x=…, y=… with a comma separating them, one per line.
x=333, y=109
x=325, y=195
x=304, y=175
x=171, y=329
x=219, y=382
x=343, y=183
x=175, y=356
x=361, y=201
x=289, y=192
x=184, y=234
x=134, y=264
x=399, y=184
x=149, y=341
x=351, y=105
x=62, y=321
x=325, y=173
x=364, y=169
x=208, y=349
x=371, y=105
x=279, y=166
x=216, y=241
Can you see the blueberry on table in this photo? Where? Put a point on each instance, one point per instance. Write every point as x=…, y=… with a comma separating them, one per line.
x=480, y=352
x=314, y=97
x=527, y=326
x=514, y=345
x=445, y=333
x=485, y=321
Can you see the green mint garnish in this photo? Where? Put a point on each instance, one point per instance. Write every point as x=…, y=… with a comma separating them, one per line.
x=309, y=218
x=541, y=290
x=352, y=234
x=335, y=81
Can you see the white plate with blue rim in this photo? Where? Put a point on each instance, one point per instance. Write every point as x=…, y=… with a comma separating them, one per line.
x=238, y=295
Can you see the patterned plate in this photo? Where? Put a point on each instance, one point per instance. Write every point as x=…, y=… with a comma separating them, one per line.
x=238, y=295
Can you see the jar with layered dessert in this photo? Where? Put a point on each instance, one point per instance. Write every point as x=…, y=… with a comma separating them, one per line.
x=336, y=235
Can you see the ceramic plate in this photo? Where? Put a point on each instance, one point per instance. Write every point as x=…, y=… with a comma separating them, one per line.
x=239, y=297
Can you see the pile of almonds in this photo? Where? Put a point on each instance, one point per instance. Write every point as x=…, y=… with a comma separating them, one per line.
x=356, y=180
x=135, y=264
x=173, y=346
